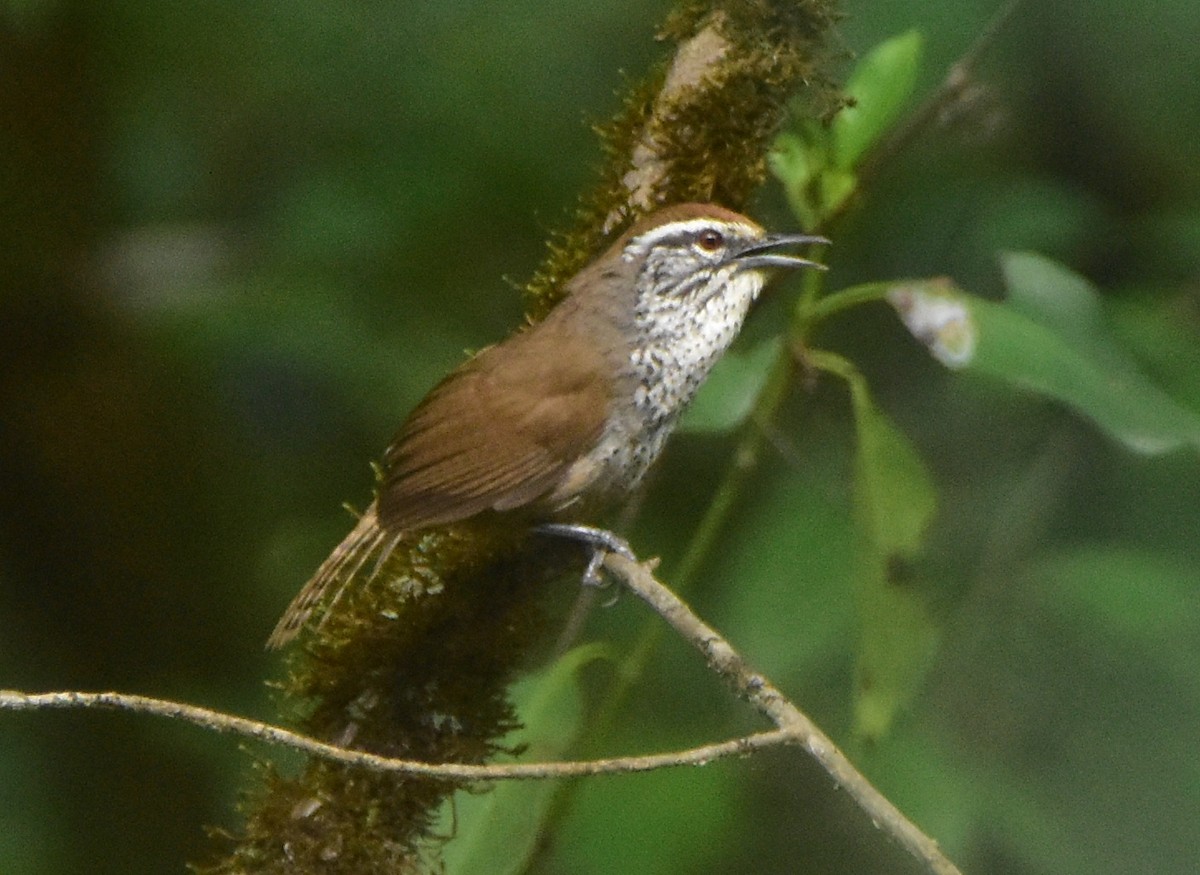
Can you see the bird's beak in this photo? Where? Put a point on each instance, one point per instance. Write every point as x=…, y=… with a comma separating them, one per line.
x=762, y=252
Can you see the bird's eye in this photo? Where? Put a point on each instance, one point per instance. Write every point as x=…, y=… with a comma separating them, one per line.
x=710, y=240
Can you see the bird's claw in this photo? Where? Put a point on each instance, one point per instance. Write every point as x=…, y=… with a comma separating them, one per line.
x=601, y=541
x=591, y=574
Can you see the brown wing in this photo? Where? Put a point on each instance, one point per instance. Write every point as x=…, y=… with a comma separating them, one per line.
x=497, y=434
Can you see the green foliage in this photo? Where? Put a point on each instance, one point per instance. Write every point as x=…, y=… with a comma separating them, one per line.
x=894, y=496
x=1050, y=337
x=1054, y=335
x=497, y=829
x=817, y=163
x=880, y=87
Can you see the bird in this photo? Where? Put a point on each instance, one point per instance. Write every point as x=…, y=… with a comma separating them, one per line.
x=562, y=419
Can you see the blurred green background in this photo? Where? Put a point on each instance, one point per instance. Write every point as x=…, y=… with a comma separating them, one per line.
x=241, y=239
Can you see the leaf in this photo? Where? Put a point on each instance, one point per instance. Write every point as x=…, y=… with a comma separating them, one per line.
x=1051, y=337
x=899, y=635
x=816, y=164
x=896, y=501
x=895, y=493
x=798, y=159
x=835, y=189
x=497, y=831
x=728, y=396
x=882, y=84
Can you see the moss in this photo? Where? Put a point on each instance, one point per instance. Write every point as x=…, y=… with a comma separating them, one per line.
x=414, y=666
x=417, y=663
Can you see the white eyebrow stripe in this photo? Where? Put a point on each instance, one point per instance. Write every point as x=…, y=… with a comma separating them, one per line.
x=644, y=242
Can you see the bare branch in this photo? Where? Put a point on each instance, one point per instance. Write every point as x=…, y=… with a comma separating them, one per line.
x=218, y=721
x=771, y=703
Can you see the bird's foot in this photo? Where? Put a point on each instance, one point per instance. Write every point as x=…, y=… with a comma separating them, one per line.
x=601, y=541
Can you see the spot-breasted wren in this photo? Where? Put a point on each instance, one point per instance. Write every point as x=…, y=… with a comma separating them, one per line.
x=565, y=416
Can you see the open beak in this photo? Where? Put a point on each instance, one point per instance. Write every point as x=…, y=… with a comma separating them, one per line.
x=762, y=253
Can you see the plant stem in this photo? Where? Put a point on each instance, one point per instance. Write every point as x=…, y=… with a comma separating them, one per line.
x=811, y=314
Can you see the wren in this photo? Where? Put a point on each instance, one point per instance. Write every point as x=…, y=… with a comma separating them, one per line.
x=563, y=418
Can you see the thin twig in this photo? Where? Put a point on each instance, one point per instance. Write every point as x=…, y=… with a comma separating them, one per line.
x=219, y=721
x=769, y=701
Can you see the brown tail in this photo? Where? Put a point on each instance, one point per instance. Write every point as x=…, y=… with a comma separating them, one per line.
x=367, y=539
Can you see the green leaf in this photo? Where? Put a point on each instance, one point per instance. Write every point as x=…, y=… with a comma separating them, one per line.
x=1061, y=300
x=896, y=502
x=497, y=831
x=730, y=392
x=899, y=636
x=881, y=84
x=794, y=160
x=835, y=189
x=1051, y=337
x=895, y=493
x=816, y=164
x=797, y=159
